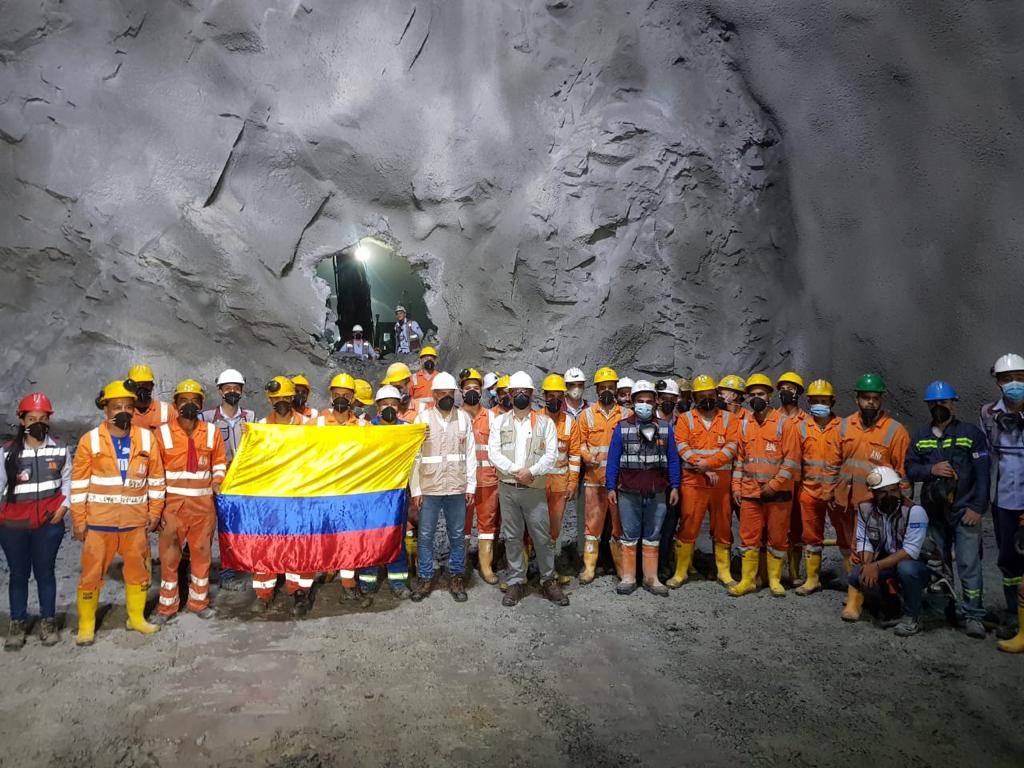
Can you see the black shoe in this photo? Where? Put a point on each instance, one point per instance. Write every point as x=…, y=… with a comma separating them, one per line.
x=457, y=586
x=301, y=605
x=15, y=636
x=513, y=595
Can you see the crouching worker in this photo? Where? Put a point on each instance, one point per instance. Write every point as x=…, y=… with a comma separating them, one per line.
x=117, y=499
x=890, y=533
x=194, y=461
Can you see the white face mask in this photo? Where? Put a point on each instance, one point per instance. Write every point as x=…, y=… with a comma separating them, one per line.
x=575, y=392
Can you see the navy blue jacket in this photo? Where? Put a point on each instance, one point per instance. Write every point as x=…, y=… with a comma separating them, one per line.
x=965, y=447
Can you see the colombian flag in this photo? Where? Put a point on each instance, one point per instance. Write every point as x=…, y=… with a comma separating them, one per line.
x=300, y=499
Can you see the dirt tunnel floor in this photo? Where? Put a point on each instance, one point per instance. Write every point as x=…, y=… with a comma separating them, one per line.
x=696, y=679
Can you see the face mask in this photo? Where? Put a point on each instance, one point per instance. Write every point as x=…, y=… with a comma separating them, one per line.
x=446, y=403
x=388, y=414
x=406, y=397
x=709, y=404
x=787, y=398
x=471, y=397
x=821, y=411
x=575, y=392
x=606, y=397
x=233, y=398
x=683, y=406
x=506, y=402
x=39, y=430
x=143, y=395
x=941, y=414
x=1013, y=391
x=361, y=411
x=428, y=365
x=644, y=411
x=721, y=403
x=554, y=405
x=758, y=404
x=340, y=404
x=868, y=415
x=889, y=504
x=494, y=395
x=667, y=408
x=282, y=407
x=122, y=420
x=189, y=411
x=299, y=400
x=358, y=337
x=521, y=401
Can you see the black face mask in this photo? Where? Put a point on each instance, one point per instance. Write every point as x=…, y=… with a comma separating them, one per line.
x=282, y=407
x=708, y=404
x=889, y=504
x=505, y=402
x=868, y=416
x=189, y=411
x=358, y=337
x=389, y=414
x=787, y=398
x=941, y=414
x=758, y=404
x=233, y=398
x=428, y=365
x=143, y=395
x=521, y=401
x=299, y=400
x=123, y=420
x=667, y=408
x=406, y=397
x=554, y=405
x=38, y=430
x=720, y=402
x=683, y=406
x=471, y=397
x=340, y=404
x=446, y=403
x=606, y=397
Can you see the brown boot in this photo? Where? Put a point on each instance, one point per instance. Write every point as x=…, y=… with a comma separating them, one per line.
x=457, y=586
x=651, y=582
x=513, y=595
x=553, y=592
x=421, y=589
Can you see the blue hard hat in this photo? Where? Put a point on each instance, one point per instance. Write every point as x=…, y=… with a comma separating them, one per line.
x=940, y=390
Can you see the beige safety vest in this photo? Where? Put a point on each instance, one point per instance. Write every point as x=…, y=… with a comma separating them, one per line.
x=443, y=455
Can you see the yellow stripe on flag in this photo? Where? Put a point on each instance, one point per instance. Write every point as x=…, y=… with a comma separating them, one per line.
x=300, y=461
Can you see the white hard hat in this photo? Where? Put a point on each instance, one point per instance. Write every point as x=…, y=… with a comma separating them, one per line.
x=357, y=328
x=642, y=385
x=399, y=308
x=388, y=392
x=668, y=387
x=882, y=477
x=1007, y=363
x=574, y=375
x=625, y=383
x=443, y=380
x=490, y=379
x=520, y=380
x=230, y=376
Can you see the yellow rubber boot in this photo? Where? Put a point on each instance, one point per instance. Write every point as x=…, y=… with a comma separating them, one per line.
x=589, y=572
x=616, y=547
x=684, y=556
x=775, y=575
x=747, y=583
x=135, y=599
x=854, y=604
x=795, y=555
x=761, y=579
x=722, y=558
x=847, y=561
x=410, y=551
x=485, y=556
x=1015, y=644
x=812, y=584
x=88, y=602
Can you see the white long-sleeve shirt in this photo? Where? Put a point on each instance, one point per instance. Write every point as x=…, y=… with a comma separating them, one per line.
x=523, y=431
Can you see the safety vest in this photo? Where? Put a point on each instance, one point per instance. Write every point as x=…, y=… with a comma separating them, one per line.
x=763, y=457
x=596, y=438
x=819, y=475
x=1001, y=452
x=535, y=448
x=486, y=475
x=230, y=430
x=211, y=460
x=639, y=453
x=565, y=463
x=442, y=462
x=419, y=387
x=295, y=414
x=690, y=456
x=331, y=417
x=874, y=527
x=158, y=413
x=35, y=490
x=855, y=468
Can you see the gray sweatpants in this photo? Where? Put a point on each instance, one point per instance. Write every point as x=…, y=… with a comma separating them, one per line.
x=525, y=509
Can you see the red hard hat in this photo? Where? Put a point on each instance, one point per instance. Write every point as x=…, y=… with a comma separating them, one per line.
x=36, y=401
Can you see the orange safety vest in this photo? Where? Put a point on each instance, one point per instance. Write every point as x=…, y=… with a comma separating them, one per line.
x=419, y=388
x=595, y=436
x=331, y=417
x=821, y=459
x=486, y=474
x=158, y=413
x=717, y=444
x=292, y=420
x=885, y=442
x=769, y=454
x=415, y=409
x=196, y=486
x=103, y=501
x=566, y=474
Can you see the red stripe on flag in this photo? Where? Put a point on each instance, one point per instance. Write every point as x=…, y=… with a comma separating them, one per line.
x=254, y=553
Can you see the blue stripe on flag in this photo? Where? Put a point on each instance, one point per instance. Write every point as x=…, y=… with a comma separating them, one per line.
x=319, y=515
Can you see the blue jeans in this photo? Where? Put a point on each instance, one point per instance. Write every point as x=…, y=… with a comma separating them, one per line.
x=912, y=576
x=454, y=509
x=1011, y=562
x=642, y=514
x=32, y=550
x=966, y=543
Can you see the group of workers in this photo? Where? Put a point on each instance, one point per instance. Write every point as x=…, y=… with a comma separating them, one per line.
x=649, y=460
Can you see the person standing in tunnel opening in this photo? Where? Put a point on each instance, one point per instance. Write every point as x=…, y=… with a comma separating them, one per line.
x=408, y=334
x=419, y=384
x=35, y=491
x=149, y=413
x=357, y=346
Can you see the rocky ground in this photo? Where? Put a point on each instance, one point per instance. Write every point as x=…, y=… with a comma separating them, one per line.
x=696, y=679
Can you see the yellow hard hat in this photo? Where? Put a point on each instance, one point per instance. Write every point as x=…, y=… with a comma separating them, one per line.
x=428, y=351
x=732, y=381
x=112, y=391
x=703, y=383
x=190, y=387
x=470, y=373
x=502, y=383
x=140, y=373
x=759, y=379
x=820, y=388
x=792, y=378
x=364, y=392
x=280, y=386
x=342, y=381
x=553, y=383
x=397, y=372
x=301, y=381
x=605, y=374
x=684, y=385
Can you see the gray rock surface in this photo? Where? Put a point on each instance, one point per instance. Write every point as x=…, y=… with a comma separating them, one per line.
x=664, y=186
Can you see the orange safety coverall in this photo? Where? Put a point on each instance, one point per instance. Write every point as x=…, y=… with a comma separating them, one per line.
x=885, y=442
x=192, y=465
x=415, y=409
x=333, y=418
x=768, y=459
x=115, y=511
x=795, y=522
x=819, y=475
x=565, y=477
x=485, y=500
x=596, y=428
x=716, y=444
x=264, y=583
x=419, y=386
x=158, y=413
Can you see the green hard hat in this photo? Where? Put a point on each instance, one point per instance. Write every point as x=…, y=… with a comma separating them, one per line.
x=870, y=382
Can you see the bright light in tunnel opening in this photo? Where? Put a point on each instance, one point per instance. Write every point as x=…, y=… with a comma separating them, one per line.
x=362, y=253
